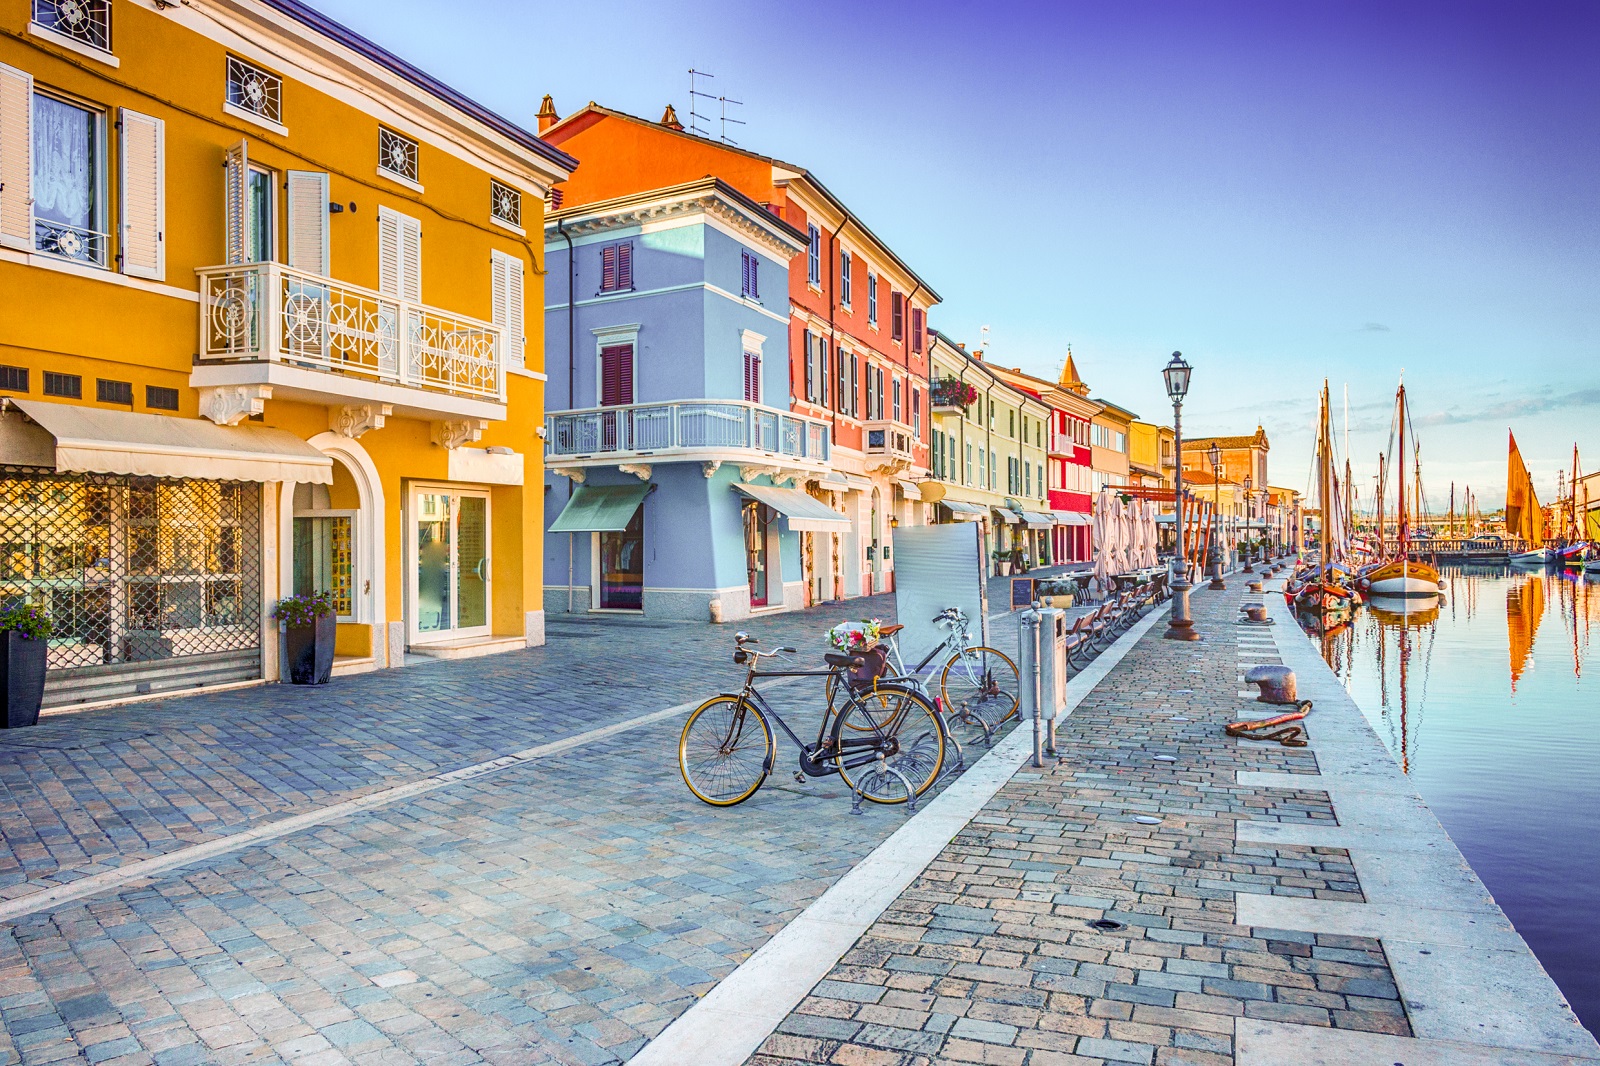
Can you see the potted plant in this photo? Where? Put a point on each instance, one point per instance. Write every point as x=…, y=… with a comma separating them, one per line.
x=24, y=655
x=1002, y=561
x=310, y=627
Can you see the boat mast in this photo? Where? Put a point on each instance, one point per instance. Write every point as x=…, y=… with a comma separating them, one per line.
x=1572, y=498
x=1452, y=508
x=1403, y=527
x=1325, y=490
x=1383, y=488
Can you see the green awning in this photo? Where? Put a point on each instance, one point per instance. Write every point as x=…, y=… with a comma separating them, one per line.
x=600, y=508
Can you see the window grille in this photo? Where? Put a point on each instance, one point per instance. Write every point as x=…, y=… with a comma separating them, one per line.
x=160, y=398
x=505, y=204
x=114, y=391
x=397, y=154
x=67, y=385
x=255, y=90
x=133, y=571
x=15, y=379
x=88, y=21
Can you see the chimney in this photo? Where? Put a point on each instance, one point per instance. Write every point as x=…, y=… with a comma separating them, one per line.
x=547, y=114
x=669, y=119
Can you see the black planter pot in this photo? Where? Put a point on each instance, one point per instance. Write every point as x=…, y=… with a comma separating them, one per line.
x=310, y=651
x=22, y=666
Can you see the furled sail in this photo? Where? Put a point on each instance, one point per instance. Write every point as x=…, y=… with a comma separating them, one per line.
x=1524, y=518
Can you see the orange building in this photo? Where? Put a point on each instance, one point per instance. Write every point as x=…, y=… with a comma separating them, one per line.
x=857, y=320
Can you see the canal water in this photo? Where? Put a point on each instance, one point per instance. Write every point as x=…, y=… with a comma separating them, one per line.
x=1491, y=703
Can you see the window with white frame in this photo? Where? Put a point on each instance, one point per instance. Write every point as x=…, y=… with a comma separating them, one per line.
x=397, y=155
x=69, y=180
x=896, y=401
x=814, y=255
x=255, y=90
x=845, y=262
x=969, y=465
x=85, y=21
x=872, y=299
x=505, y=204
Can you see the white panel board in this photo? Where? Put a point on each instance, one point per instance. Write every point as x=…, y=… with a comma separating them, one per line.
x=936, y=567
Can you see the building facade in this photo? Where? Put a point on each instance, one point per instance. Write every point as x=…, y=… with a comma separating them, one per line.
x=857, y=334
x=274, y=341
x=1109, y=434
x=1068, y=457
x=674, y=459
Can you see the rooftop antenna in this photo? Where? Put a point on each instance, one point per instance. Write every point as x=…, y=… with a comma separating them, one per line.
x=724, y=101
x=695, y=118
x=983, y=338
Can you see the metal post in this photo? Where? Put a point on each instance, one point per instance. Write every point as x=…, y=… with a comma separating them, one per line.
x=1181, y=625
x=1028, y=671
x=1217, y=584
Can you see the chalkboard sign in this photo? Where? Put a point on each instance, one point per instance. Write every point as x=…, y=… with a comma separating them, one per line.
x=1021, y=592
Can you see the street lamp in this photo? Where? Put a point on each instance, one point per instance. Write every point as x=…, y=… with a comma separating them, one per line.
x=1214, y=453
x=1249, y=517
x=1180, y=626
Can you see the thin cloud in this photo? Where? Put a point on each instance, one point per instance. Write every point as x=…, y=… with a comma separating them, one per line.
x=1507, y=410
x=1374, y=327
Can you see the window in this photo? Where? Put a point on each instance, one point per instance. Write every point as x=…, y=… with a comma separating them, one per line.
x=897, y=412
x=814, y=256
x=255, y=90
x=397, y=155
x=260, y=229
x=85, y=21
x=983, y=479
x=916, y=413
x=69, y=386
x=399, y=256
x=161, y=398
x=811, y=366
x=616, y=267
x=505, y=304
x=616, y=375
x=845, y=259
x=872, y=375
x=897, y=316
x=1027, y=479
x=969, y=465
x=505, y=204
x=1040, y=480
x=1011, y=421
x=15, y=379
x=916, y=330
x=114, y=391
x=855, y=385
x=872, y=299
x=69, y=180
x=752, y=377
x=749, y=276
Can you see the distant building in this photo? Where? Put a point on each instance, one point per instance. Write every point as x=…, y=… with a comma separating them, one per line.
x=1108, y=436
x=1068, y=459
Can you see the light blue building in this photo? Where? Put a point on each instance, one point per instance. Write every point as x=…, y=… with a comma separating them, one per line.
x=675, y=469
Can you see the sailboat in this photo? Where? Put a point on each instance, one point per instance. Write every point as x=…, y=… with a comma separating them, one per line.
x=1524, y=517
x=1403, y=575
x=1320, y=591
x=1576, y=551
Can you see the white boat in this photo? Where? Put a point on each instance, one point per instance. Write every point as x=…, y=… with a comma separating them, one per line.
x=1537, y=557
x=1405, y=577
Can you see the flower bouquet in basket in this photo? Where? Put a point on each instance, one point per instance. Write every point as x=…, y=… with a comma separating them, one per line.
x=854, y=637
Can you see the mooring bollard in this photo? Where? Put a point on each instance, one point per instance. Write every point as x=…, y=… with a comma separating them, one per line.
x=1275, y=682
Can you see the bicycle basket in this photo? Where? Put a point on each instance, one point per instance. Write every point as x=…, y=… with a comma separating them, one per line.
x=875, y=664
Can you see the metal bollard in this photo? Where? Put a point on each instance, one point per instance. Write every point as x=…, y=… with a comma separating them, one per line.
x=1028, y=680
x=1052, y=671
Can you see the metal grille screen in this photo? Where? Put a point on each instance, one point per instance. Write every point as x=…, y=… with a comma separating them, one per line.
x=135, y=572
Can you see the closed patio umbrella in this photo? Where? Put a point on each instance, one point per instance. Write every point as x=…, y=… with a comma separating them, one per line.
x=1102, y=542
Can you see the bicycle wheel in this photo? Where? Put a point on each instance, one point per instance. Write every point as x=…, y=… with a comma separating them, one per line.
x=886, y=741
x=725, y=752
x=980, y=683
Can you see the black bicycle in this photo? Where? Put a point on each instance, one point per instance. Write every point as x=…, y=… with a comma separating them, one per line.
x=886, y=742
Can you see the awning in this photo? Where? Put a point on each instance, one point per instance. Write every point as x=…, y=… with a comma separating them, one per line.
x=805, y=513
x=964, y=512
x=838, y=480
x=1037, y=520
x=93, y=440
x=600, y=508
x=1072, y=518
x=1006, y=516
x=910, y=490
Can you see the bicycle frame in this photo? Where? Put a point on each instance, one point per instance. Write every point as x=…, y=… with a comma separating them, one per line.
x=812, y=756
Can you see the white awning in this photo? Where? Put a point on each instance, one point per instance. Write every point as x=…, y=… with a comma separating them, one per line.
x=93, y=440
x=963, y=512
x=1037, y=520
x=1007, y=516
x=1072, y=518
x=841, y=481
x=910, y=490
x=805, y=513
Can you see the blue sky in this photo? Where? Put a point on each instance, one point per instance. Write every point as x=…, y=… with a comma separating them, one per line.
x=1283, y=191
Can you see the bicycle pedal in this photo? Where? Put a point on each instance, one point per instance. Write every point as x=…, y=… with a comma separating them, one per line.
x=799, y=778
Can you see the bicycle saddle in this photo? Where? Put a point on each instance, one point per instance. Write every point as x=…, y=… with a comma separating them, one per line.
x=889, y=631
x=834, y=658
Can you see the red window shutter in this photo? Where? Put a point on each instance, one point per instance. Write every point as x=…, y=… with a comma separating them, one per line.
x=916, y=329
x=625, y=265
x=608, y=268
x=616, y=375
x=897, y=316
x=752, y=377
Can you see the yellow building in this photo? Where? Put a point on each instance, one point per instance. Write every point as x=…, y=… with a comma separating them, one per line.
x=1149, y=454
x=988, y=455
x=271, y=323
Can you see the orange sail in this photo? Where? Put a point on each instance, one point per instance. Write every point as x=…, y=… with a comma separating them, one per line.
x=1524, y=517
x=1524, y=612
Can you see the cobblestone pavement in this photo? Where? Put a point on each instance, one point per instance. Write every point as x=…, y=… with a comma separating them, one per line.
x=991, y=957
x=561, y=910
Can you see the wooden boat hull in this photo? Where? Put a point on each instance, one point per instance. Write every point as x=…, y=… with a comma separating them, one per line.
x=1404, y=578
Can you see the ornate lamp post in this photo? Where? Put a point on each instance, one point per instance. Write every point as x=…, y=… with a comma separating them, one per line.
x=1249, y=518
x=1180, y=626
x=1214, y=453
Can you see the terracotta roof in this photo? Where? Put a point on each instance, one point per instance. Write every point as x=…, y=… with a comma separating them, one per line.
x=1258, y=439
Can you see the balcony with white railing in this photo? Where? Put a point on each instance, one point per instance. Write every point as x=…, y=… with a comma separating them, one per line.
x=326, y=341
x=887, y=443
x=709, y=431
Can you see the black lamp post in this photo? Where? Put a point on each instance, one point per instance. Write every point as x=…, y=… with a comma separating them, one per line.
x=1249, y=517
x=1214, y=453
x=1180, y=626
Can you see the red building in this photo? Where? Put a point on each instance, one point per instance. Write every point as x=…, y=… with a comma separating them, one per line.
x=1069, y=457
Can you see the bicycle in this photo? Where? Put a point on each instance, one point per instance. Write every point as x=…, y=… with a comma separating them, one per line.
x=978, y=686
x=886, y=743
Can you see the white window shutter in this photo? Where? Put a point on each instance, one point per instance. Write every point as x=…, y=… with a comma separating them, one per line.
x=308, y=222
x=144, y=196
x=236, y=203
x=388, y=253
x=410, y=259
x=506, y=304
x=16, y=158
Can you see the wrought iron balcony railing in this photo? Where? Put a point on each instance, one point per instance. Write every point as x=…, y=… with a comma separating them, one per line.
x=268, y=312
x=685, y=426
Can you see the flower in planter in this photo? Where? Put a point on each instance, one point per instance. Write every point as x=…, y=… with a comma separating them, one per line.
x=855, y=636
x=29, y=619
x=304, y=609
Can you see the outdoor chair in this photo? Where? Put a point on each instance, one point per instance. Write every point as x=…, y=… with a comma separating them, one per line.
x=1079, y=650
